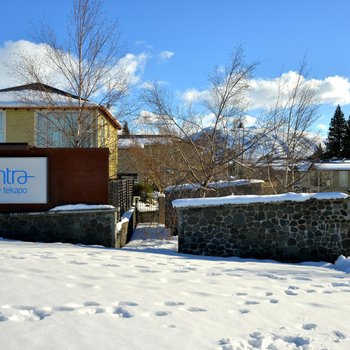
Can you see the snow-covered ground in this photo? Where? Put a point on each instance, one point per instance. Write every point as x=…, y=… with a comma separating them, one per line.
x=147, y=296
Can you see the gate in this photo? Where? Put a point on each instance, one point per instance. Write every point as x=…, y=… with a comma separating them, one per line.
x=150, y=210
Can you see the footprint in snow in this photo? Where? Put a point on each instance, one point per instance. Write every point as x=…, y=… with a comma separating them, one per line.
x=251, y=302
x=169, y=326
x=340, y=336
x=180, y=271
x=29, y=315
x=340, y=284
x=148, y=271
x=225, y=344
x=91, y=303
x=63, y=308
x=75, y=262
x=290, y=292
x=309, y=326
x=127, y=303
x=272, y=276
x=173, y=303
x=196, y=309
x=162, y=313
x=244, y=311
x=121, y=312
x=302, y=278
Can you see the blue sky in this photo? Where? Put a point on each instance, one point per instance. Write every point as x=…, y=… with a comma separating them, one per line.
x=179, y=42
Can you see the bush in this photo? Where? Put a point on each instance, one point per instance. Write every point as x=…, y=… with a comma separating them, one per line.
x=143, y=190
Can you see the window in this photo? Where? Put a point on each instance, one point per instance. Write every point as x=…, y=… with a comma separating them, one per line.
x=343, y=179
x=103, y=133
x=2, y=127
x=60, y=129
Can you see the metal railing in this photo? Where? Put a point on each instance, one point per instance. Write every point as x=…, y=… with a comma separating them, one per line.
x=121, y=194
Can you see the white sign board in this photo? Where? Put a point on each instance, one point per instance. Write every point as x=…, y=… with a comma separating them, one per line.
x=23, y=180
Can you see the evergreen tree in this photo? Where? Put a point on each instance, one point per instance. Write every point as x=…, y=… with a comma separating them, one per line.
x=346, y=142
x=126, y=130
x=319, y=153
x=336, y=134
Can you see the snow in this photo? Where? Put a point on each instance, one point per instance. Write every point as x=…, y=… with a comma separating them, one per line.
x=143, y=207
x=327, y=166
x=248, y=199
x=342, y=264
x=74, y=207
x=148, y=296
x=125, y=218
x=218, y=184
x=332, y=166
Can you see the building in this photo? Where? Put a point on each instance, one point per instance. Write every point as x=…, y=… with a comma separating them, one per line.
x=43, y=116
x=328, y=176
x=149, y=158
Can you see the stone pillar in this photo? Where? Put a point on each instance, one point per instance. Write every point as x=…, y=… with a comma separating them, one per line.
x=161, y=203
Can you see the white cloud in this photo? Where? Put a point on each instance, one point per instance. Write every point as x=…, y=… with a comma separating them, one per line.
x=134, y=66
x=322, y=127
x=9, y=55
x=331, y=90
x=165, y=55
x=249, y=121
x=11, y=51
x=194, y=96
x=334, y=90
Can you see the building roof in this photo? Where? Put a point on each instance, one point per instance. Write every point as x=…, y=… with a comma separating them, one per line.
x=40, y=87
x=330, y=165
x=41, y=96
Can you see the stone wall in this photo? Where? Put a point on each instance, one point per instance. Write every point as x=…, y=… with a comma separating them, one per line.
x=287, y=231
x=97, y=227
x=172, y=193
x=125, y=228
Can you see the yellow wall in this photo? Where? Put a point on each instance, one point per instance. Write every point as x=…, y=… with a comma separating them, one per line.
x=20, y=126
x=108, y=137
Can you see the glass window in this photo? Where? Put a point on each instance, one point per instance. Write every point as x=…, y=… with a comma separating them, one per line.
x=61, y=130
x=2, y=127
x=343, y=179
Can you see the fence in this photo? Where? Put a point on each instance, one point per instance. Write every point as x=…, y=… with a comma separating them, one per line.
x=121, y=194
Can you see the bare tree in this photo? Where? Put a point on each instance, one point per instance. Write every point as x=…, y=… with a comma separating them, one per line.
x=87, y=65
x=212, y=132
x=293, y=115
x=216, y=140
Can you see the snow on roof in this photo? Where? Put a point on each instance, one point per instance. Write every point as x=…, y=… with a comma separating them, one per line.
x=343, y=164
x=33, y=98
x=248, y=199
x=332, y=166
x=218, y=184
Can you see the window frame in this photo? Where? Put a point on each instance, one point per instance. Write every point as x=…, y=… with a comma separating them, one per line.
x=47, y=136
x=3, y=123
